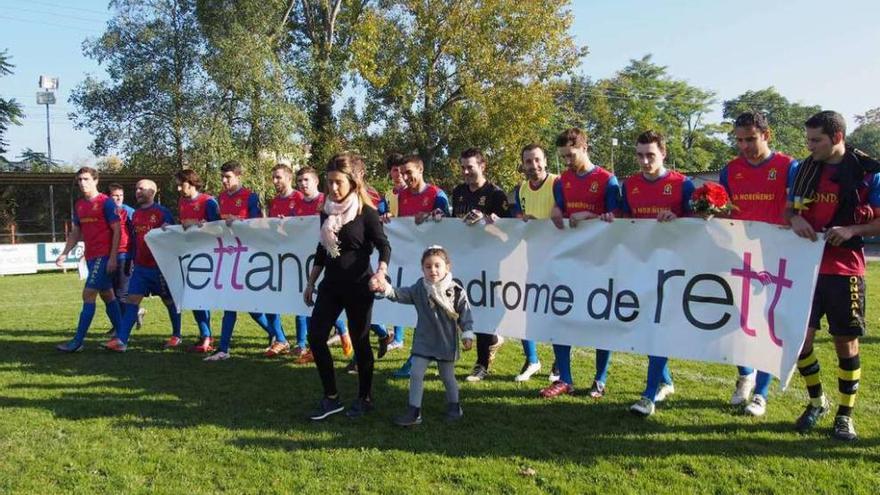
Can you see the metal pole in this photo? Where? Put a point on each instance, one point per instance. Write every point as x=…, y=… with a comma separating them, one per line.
x=48, y=137
x=52, y=208
x=612, y=158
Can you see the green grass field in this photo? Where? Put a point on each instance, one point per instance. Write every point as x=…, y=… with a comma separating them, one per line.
x=154, y=421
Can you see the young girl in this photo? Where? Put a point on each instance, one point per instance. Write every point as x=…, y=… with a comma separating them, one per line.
x=443, y=310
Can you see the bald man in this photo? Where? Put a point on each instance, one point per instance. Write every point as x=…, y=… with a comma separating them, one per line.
x=146, y=279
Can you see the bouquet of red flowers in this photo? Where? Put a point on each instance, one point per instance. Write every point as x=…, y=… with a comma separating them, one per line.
x=711, y=199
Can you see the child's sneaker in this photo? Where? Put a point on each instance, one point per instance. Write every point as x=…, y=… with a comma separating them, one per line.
x=757, y=407
x=412, y=417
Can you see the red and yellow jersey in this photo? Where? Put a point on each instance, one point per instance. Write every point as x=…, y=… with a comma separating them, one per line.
x=646, y=198
x=241, y=204
x=597, y=192
x=203, y=208
x=94, y=217
x=839, y=260
x=285, y=206
x=759, y=192
x=309, y=207
x=144, y=220
x=429, y=199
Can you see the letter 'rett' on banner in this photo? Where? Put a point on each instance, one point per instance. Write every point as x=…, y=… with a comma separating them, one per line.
x=722, y=291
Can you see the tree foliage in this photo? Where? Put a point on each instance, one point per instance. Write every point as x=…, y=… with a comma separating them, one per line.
x=640, y=97
x=866, y=136
x=445, y=75
x=786, y=118
x=10, y=110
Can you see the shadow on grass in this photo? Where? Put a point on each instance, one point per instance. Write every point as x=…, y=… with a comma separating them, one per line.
x=266, y=402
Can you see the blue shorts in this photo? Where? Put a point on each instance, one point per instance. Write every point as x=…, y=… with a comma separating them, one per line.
x=147, y=281
x=98, y=278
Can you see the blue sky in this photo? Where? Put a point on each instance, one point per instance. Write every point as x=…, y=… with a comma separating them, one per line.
x=807, y=50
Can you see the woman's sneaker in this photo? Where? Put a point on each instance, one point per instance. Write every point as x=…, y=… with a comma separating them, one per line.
x=326, y=408
x=477, y=374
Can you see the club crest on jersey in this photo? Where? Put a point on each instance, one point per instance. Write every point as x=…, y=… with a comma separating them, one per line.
x=482, y=201
x=237, y=202
x=196, y=207
x=667, y=190
x=152, y=218
x=425, y=202
x=594, y=187
x=95, y=206
x=738, y=175
x=771, y=175
x=635, y=190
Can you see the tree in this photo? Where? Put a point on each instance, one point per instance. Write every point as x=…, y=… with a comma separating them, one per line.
x=156, y=89
x=10, y=110
x=640, y=97
x=322, y=32
x=454, y=74
x=786, y=119
x=866, y=136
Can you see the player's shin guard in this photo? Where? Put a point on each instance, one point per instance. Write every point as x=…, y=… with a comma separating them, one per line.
x=128, y=320
x=114, y=312
x=808, y=366
x=603, y=362
x=563, y=362
x=848, y=374
x=203, y=321
x=174, y=316
x=85, y=321
x=226, y=329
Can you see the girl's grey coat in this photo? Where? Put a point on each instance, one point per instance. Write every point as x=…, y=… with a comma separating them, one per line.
x=436, y=335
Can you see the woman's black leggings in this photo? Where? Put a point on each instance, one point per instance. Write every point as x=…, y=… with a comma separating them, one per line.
x=357, y=301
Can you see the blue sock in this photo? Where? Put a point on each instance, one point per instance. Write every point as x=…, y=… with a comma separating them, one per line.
x=261, y=320
x=563, y=362
x=302, y=331
x=114, y=312
x=745, y=370
x=226, y=329
x=762, y=383
x=379, y=330
x=85, y=321
x=341, y=326
x=203, y=320
x=277, y=329
x=110, y=315
x=128, y=321
x=603, y=362
x=667, y=376
x=398, y=335
x=174, y=316
x=530, y=349
x=656, y=367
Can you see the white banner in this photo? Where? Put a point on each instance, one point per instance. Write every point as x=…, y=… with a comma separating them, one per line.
x=722, y=291
x=16, y=259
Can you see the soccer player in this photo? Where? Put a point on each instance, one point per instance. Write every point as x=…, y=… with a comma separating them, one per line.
x=663, y=195
x=421, y=201
x=533, y=199
x=584, y=191
x=282, y=205
x=757, y=182
x=123, y=261
x=312, y=203
x=195, y=208
x=239, y=203
x=393, y=164
x=96, y=223
x=836, y=189
x=473, y=200
x=146, y=279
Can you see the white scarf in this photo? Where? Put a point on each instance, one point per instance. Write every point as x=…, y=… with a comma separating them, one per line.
x=441, y=293
x=338, y=214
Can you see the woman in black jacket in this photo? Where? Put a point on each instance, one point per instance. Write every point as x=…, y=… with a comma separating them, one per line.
x=350, y=230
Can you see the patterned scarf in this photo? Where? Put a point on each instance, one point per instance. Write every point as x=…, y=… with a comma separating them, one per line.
x=442, y=293
x=338, y=214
